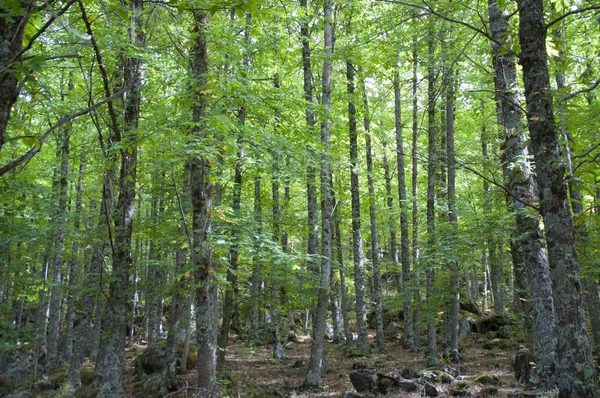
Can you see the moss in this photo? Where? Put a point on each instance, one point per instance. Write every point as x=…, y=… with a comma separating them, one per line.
x=496, y=343
x=486, y=379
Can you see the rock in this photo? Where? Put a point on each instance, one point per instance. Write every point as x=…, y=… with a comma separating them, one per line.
x=488, y=391
x=364, y=380
x=299, y=363
x=523, y=365
x=290, y=345
x=410, y=373
x=505, y=331
x=459, y=390
x=408, y=386
x=491, y=335
x=329, y=331
x=392, y=331
x=385, y=385
x=352, y=394
x=23, y=394
x=152, y=359
x=437, y=376
x=470, y=306
x=486, y=379
x=360, y=365
x=431, y=391
x=524, y=394
x=394, y=374
x=496, y=343
x=493, y=323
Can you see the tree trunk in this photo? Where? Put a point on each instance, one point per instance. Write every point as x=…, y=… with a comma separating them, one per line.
x=114, y=359
x=168, y=381
x=379, y=335
x=54, y=318
x=453, y=312
x=256, y=268
x=404, y=240
x=201, y=191
x=431, y=240
x=362, y=343
x=11, y=44
x=576, y=376
x=416, y=347
x=344, y=292
x=317, y=353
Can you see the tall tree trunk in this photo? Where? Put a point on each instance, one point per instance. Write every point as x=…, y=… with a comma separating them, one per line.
x=415, y=201
x=452, y=216
x=201, y=191
x=114, y=358
x=256, y=267
x=344, y=291
x=54, y=318
x=577, y=373
x=362, y=343
x=168, y=381
x=404, y=239
x=379, y=335
x=317, y=353
x=431, y=166
x=311, y=172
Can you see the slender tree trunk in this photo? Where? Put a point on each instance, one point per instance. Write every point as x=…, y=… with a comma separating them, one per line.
x=379, y=335
x=57, y=263
x=577, y=373
x=201, y=191
x=168, y=381
x=76, y=269
x=311, y=172
x=317, y=354
x=402, y=200
x=416, y=347
x=114, y=359
x=344, y=291
x=256, y=268
x=452, y=215
x=362, y=343
x=431, y=166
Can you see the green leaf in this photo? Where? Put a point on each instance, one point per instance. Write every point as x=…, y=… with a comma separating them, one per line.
x=240, y=13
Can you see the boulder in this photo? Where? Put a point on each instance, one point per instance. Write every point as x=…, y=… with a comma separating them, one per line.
x=466, y=326
x=486, y=379
x=364, y=380
x=493, y=323
x=524, y=394
x=431, y=391
x=505, y=331
x=392, y=331
x=152, y=359
x=496, y=343
x=437, y=376
x=410, y=373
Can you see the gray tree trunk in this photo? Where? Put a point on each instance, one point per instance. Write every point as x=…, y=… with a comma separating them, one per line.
x=276, y=324
x=201, y=191
x=577, y=373
x=453, y=312
x=60, y=219
x=116, y=322
x=344, y=291
x=416, y=346
x=521, y=184
x=362, y=343
x=402, y=200
x=379, y=334
x=431, y=239
x=168, y=381
x=255, y=278
x=317, y=353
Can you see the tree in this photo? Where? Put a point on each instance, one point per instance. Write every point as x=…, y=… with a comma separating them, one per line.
x=576, y=368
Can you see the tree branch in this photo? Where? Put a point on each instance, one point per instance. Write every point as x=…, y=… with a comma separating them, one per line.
x=29, y=154
x=582, y=10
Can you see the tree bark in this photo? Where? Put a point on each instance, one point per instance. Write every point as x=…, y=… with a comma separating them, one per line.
x=402, y=200
x=114, y=359
x=416, y=347
x=577, y=374
x=256, y=268
x=317, y=353
x=362, y=343
x=379, y=334
x=431, y=166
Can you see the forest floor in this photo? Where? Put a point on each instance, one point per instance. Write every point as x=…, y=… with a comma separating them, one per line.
x=251, y=371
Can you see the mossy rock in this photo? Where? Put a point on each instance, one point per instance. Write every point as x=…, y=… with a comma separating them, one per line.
x=496, y=343
x=487, y=380
x=87, y=375
x=153, y=358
